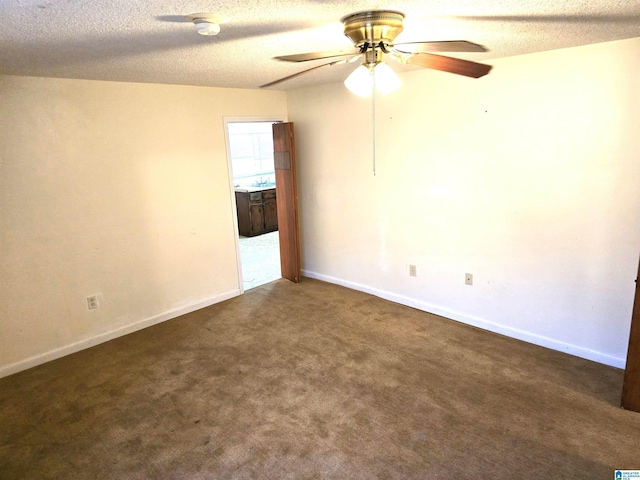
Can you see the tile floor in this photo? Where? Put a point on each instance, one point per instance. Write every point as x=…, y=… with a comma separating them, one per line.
x=260, y=258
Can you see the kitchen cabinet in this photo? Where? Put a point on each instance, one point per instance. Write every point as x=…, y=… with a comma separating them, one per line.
x=257, y=212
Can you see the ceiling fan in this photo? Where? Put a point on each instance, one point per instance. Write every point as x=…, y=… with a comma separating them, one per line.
x=373, y=33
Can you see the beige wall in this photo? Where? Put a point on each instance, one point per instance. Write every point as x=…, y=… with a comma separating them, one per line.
x=527, y=178
x=120, y=190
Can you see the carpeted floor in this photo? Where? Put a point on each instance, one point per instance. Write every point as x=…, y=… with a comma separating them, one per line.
x=315, y=381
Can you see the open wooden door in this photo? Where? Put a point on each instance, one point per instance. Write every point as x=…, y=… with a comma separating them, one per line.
x=287, y=200
x=631, y=386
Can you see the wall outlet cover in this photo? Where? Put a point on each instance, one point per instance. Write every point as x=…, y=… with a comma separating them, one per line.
x=92, y=302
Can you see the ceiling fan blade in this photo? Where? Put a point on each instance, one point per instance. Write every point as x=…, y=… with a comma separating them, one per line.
x=448, y=46
x=446, y=64
x=615, y=19
x=305, y=57
x=289, y=77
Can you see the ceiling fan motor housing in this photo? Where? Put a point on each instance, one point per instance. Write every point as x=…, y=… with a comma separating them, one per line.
x=373, y=27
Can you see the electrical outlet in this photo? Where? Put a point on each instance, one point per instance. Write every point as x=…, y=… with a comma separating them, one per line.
x=413, y=271
x=92, y=302
x=468, y=278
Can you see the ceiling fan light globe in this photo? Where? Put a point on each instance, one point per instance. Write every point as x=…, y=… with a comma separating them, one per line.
x=386, y=80
x=360, y=81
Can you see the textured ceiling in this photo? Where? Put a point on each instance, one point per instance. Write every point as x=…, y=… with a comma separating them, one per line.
x=149, y=40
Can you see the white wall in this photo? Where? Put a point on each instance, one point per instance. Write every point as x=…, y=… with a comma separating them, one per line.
x=115, y=189
x=527, y=178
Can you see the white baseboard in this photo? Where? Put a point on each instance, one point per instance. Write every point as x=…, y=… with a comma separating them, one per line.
x=74, y=347
x=482, y=323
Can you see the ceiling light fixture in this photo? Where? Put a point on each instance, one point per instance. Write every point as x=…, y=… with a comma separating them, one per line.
x=206, y=23
x=365, y=78
x=207, y=28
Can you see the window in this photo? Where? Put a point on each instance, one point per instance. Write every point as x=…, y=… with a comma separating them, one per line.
x=251, y=152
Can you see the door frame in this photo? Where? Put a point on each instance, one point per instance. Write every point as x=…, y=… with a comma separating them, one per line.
x=226, y=121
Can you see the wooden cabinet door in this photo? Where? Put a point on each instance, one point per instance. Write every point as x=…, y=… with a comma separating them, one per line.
x=287, y=200
x=242, y=210
x=257, y=218
x=270, y=215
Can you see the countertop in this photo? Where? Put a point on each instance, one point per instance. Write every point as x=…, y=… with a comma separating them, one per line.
x=254, y=189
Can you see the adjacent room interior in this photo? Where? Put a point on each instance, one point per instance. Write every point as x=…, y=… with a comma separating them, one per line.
x=465, y=243
x=250, y=151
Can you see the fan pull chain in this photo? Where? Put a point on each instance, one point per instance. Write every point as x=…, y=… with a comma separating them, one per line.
x=373, y=120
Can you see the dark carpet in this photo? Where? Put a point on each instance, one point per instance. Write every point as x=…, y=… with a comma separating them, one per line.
x=315, y=381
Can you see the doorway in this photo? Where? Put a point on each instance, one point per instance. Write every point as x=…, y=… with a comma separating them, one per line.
x=251, y=160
